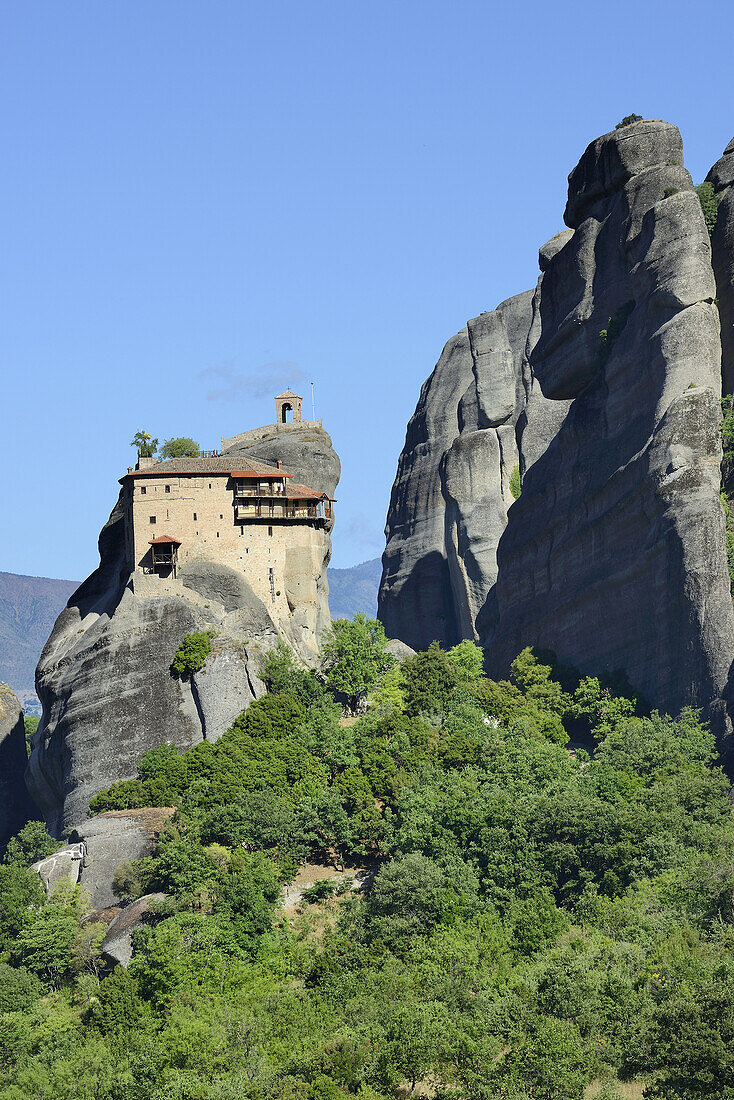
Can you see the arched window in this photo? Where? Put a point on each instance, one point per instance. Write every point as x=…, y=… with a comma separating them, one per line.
x=287, y=413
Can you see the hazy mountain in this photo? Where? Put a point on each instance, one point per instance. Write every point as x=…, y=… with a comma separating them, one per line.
x=28, y=609
x=354, y=589
x=29, y=606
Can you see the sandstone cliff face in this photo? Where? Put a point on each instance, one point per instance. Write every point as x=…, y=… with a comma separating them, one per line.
x=104, y=677
x=15, y=803
x=479, y=417
x=614, y=554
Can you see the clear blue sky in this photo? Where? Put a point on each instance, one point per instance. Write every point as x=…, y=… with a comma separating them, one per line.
x=205, y=200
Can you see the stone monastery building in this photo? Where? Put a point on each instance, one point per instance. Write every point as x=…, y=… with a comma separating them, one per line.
x=235, y=511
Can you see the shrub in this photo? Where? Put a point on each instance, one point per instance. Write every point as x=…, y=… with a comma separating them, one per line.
x=191, y=655
x=709, y=204
x=627, y=121
x=515, y=482
x=670, y=191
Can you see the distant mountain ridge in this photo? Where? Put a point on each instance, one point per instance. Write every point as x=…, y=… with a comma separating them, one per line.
x=29, y=607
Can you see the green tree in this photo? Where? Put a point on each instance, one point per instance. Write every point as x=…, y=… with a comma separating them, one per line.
x=31, y=844
x=180, y=447
x=354, y=655
x=627, y=121
x=145, y=444
x=515, y=482
x=430, y=680
x=468, y=660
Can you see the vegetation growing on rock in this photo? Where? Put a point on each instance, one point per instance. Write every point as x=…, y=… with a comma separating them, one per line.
x=191, y=655
x=537, y=918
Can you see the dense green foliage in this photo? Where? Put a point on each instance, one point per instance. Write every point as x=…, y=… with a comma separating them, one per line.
x=180, y=447
x=709, y=204
x=538, y=918
x=628, y=120
x=191, y=655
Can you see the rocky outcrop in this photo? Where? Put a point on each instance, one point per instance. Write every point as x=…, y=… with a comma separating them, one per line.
x=111, y=839
x=614, y=554
x=478, y=419
x=722, y=247
x=96, y=849
x=117, y=946
x=16, y=806
x=105, y=680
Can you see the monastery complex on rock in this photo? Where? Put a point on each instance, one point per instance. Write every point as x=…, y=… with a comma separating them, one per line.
x=235, y=511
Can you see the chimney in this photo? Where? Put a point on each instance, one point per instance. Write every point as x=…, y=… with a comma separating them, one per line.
x=280, y=465
x=144, y=462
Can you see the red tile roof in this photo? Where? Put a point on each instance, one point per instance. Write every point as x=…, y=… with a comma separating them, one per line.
x=164, y=539
x=289, y=393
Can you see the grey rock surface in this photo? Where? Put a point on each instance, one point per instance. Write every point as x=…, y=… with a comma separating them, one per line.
x=105, y=682
x=65, y=865
x=722, y=247
x=110, y=839
x=16, y=806
x=117, y=946
x=478, y=417
x=614, y=555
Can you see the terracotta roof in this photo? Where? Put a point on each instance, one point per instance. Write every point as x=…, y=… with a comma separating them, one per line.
x=164, y=539
x=238, y=466
x=289, y=393
x=302, y=492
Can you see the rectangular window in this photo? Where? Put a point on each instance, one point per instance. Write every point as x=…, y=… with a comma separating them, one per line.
x=194, y=515
x=168, y=488
x=143, y=490
x=270, y=530
x=217, y=534
x=221, y=516
x=152, y=519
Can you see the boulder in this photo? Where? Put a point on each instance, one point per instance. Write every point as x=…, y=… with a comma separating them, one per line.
x=16, y=806
x=117, y=946
x=111, y=839
x=63, y=865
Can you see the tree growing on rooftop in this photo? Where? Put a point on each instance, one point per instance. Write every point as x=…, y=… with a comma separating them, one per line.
x=180, y=447
x=146, y=445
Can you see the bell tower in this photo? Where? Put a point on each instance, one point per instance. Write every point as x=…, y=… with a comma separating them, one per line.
x=288, y=408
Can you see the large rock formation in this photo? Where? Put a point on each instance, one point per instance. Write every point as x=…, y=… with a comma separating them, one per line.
x=104, y=677
x=15, y=804
x=479, y=418
x=614, y=554
x=722, y=247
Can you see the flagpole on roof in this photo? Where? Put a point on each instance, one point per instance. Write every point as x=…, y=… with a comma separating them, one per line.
x=313, y=403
